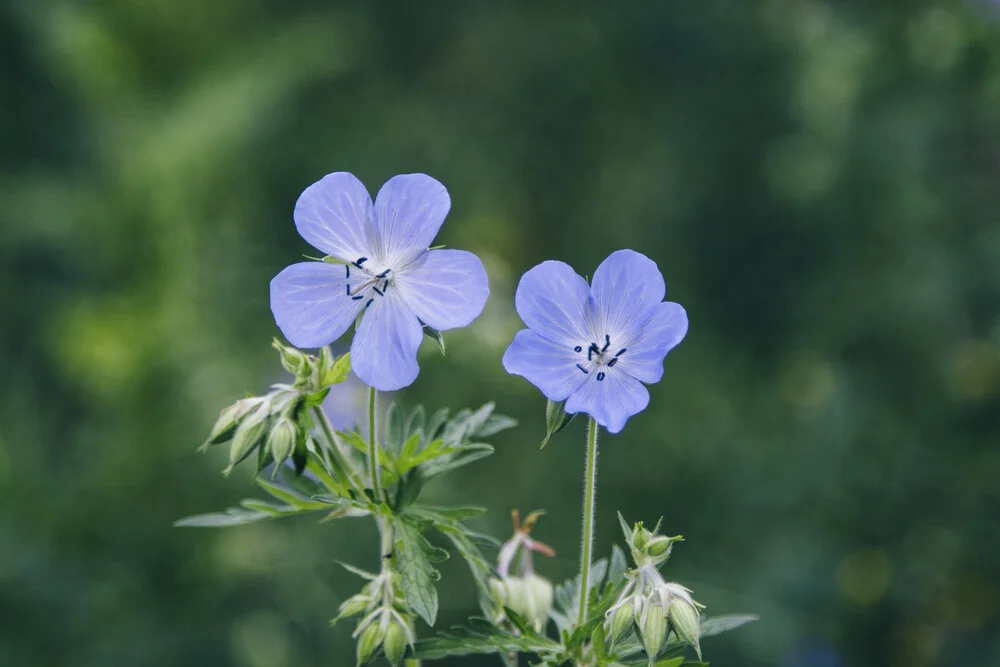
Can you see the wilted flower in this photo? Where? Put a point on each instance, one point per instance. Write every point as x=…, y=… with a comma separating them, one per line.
x=382, y=270
x=594, y=345
x=523, y=592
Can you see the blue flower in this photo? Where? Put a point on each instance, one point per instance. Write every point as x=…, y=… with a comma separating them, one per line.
x=388, y=274
x=594, y=345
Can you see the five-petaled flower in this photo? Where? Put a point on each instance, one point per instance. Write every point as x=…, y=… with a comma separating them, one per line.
x=594, y=345
x=388, y=274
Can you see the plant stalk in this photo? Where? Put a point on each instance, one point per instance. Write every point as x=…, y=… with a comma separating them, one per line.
x=373, y=462
x=334, y=454
x=587, y=540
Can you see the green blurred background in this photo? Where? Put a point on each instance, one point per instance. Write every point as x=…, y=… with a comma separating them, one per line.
x=818, y=181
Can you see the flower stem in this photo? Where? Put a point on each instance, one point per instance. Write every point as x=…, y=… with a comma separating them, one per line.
x=587, y=541
x=373, y=462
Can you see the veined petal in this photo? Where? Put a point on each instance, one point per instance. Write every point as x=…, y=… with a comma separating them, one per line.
x=549, y=366
x=384, y=352
x=446, y=289
x=552, y=300
x=610, y=401
x=333, y=215
x=661, y=333
x=626, y=286
x=310, y=303
x=409, y=211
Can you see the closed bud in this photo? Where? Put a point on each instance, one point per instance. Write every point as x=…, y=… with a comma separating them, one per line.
x=281, y=439
x=498, y=591
x=654, y=630
x=638, y=606
x=248, y=435
x=684, y=616
x=228, y=419
x=621, y=621
x=369, y=641
x=352, y=606
x=395, y=642
x=640, y=538
x=293, y=360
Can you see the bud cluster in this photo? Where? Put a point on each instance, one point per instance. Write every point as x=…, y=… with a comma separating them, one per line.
x=649, y=603
x=385, y=622
x=277, y=424
x=524, y=592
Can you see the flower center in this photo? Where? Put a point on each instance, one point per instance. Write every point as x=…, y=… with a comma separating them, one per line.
x=598, y=357
x=366, y=281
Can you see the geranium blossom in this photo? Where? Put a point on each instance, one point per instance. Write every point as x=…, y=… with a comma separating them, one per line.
x=387, y=275
x=593, y=346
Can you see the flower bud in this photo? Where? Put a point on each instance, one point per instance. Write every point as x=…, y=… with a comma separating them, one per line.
x=654, y=629
x=684, y=616
x=371, y=638
x=248, y=435
x=621, y=621
x=281, y=439
x=395, y=642
x=640, y=538
x=638, y=605
x=352, y=606
x=293, y=360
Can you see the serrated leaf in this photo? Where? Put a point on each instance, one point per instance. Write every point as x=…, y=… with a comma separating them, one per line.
x=481, y=636
x=235, y=516
x=414, y=423
x=416, y=575
x=716, y=625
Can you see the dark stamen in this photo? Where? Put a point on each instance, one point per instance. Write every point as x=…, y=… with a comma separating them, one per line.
x=607, y=343
x=384, y=273
x=585, y=371
x=378, y=291
x=348, y=267
x=600, y=376
x=621, y=351
x=348, y=289
x=369, y=302
x=360, y=261
x=386, y=286
x=358, y=297
x=593, y=348
x=614, y=360
x=578, y=348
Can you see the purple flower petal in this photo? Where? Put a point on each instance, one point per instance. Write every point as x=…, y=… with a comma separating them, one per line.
x=553, y=301
x=409, y=211
x=310, y=303
x=549, y=366
x=664, y=330
x=610, y=401
x=447, y=289
x=333, y=215
x=626, y=287
x=384, y=352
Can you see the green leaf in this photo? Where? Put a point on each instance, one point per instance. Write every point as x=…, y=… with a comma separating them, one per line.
x=416, y=574
x=672, y=662
x=415, y=424
x=394, y=430
x=494, y=424
x=336, y=372
x=556, y=419
x=235, y=516
x=434, y=424
x=481, y=636
x=446, y=521
x=617, y=567
x=716, y=625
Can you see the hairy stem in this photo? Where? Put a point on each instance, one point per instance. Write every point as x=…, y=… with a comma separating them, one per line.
x=587, y=541
x=373, y=462
x=333, y=453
